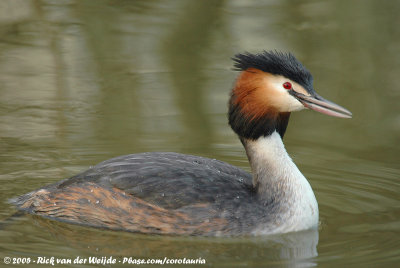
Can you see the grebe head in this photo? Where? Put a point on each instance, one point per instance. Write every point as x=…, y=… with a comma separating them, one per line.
x=270, y=86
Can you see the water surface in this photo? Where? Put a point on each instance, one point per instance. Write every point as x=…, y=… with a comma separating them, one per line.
x=84, y=81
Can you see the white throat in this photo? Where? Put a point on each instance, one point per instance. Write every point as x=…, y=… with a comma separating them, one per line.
x=286, y=192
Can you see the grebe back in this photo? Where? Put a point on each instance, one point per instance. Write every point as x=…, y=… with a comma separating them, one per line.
x=171, y=193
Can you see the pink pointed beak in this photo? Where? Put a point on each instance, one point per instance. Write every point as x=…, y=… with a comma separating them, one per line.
x=319, y=104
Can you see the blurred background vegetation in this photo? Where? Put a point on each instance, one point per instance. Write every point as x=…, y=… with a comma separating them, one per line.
x=85, y=80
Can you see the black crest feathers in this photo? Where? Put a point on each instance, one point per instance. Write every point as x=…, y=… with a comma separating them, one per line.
x=274, y=62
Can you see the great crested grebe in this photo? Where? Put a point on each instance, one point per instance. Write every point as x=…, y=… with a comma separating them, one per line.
x=171, y=193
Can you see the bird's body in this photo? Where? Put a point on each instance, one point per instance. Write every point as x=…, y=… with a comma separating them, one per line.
x=170, y=193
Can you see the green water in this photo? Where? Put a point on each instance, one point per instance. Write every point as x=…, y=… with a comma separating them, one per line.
x=84, y=81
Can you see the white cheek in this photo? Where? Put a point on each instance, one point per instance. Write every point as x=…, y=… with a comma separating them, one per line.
x=293, y=105
x=283, y=101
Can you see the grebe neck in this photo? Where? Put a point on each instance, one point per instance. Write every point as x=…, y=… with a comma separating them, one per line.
x=280, y=184
x=274, y=173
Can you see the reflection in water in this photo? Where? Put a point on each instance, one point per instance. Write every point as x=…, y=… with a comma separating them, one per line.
x=296, y=249
x=82, y=81
x=185, y=50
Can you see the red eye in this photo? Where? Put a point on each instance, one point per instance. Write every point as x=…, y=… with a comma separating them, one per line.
x=287, y=85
